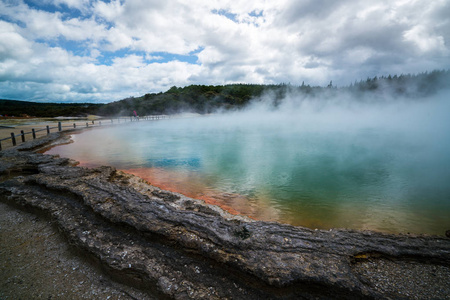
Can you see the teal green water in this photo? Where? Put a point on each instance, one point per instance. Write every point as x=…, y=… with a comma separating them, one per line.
x=320, y=174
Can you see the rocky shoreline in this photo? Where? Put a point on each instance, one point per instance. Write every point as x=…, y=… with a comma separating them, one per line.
x=176, y=247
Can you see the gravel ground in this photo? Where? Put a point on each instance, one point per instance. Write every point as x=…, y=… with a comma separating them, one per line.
x=406, y=280
x=37, y=263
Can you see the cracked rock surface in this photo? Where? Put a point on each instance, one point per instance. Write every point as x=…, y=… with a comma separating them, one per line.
x=172, y=246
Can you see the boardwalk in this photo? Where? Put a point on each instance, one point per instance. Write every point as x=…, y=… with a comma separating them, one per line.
x=16, y=131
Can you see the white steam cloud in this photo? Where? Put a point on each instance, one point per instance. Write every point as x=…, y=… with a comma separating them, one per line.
x=335, y=161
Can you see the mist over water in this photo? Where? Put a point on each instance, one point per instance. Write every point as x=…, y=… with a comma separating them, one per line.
x=380, y=164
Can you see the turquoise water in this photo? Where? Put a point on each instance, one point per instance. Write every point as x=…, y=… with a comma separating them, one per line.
x=321, y=170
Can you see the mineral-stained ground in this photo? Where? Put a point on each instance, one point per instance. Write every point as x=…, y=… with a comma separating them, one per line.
x=71, y=232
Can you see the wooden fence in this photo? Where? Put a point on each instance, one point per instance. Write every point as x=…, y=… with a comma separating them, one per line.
x=14, y=138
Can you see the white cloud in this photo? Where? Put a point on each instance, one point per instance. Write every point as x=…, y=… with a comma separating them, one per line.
x=12, y=44
x=77, y=4
x=119, y=48
x=108, y=11
x=425, y=41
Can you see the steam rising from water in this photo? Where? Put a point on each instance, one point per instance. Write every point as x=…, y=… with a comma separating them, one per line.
x=380, y=164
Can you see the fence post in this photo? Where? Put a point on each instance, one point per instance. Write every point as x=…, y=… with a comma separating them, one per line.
x=0, y=145
x=74, y=125
x=23, y=136
x=13, y=138
x=59, y=126
x=48, y=130
x=87, y=124
x=34, y=133
x=92, y=121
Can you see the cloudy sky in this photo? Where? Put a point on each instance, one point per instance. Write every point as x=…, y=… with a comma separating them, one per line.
x=102, y=51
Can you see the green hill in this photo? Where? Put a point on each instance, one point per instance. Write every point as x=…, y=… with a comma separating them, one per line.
x=195, y=98
x=211, y=98
x=26, y=108
x=208, y=98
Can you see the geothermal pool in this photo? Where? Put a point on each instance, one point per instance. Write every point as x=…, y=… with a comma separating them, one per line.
x=380, y=169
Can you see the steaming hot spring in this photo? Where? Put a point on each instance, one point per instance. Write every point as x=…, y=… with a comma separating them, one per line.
x=319, y=164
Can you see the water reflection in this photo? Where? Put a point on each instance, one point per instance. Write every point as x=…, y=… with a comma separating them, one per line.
x=364, y=177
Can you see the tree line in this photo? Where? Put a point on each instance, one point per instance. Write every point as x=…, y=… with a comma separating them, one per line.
x=16, y=108
x=210, y=98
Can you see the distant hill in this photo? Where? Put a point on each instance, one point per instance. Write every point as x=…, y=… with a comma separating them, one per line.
x=194, y=98
x=26, y=108
x=211, y=98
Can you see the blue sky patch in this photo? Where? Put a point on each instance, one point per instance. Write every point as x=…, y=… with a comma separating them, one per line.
x=75, y=47
x=67, y=12
x=107, y=57
x=256, y=14
x=225, y=13
x=12, y=20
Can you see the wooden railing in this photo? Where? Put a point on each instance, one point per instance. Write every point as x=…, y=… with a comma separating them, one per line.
x=62, y=126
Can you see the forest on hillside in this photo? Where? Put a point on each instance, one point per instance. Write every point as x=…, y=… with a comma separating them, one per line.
x=210, y=98
x=16, y=108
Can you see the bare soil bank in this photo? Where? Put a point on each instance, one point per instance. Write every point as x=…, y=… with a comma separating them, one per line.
x=165, y=245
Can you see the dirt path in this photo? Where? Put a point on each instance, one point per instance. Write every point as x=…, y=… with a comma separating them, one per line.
x=37, y=263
